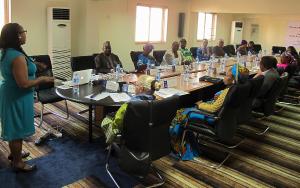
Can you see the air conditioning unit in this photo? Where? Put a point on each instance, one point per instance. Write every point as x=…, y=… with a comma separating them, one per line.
x=236, y=32
x=59, y=41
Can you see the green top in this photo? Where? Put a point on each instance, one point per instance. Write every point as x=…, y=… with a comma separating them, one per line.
x=186, y=54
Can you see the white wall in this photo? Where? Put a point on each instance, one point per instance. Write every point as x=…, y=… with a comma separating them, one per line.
x=95, y=21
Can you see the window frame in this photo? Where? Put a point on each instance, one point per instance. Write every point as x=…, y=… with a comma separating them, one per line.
x=213, y=31
x=164, y=25
x=7, y=11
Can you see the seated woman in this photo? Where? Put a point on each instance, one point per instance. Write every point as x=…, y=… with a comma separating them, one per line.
x=187, y=151
x=172, y=55
x=242, y=49
x=287, y=63
x=145, y=87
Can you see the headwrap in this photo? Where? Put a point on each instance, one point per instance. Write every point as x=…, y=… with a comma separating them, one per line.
x=243, y=42
x=240, y=74
x=149, y=82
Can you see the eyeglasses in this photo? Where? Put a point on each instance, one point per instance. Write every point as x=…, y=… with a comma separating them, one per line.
x=24, y=31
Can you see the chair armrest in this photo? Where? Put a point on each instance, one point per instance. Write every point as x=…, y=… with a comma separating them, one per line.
x=211, y=115
x=59, y=78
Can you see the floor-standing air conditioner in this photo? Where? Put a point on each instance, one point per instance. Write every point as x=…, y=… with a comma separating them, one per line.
x=236, y=32
x=59, y=41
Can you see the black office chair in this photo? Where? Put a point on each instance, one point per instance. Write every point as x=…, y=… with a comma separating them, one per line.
x=225, y=121
x=134, y=57
x=246, y=109
x=145, y=136
x=267, y=107
x=82, y=63
x=257, y=48
x=194, y=52
x=46, y=92
x=278, y=49
x=158, y=55
x=229, y=49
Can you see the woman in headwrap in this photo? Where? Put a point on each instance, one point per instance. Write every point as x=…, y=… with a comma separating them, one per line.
x=187, y=151
x=145, y=88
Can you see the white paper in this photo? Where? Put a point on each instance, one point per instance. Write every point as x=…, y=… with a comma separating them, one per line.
x=113, y=86
x=98, y=97
x=293, y=34
x=168, y=92
x=119, y=97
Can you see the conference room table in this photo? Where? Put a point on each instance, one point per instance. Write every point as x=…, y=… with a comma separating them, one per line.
x=192, y=85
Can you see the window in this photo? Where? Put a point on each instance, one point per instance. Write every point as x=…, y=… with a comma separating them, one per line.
x=207, y=26
x=151, y=24
x=4, y=12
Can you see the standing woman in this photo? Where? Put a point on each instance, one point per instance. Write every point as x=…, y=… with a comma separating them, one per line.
x=16, y=92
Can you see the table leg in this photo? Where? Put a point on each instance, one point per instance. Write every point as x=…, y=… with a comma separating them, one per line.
x=90, y=123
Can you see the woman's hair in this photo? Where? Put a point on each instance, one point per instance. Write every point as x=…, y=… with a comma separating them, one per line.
x=9, y=38
x=149, y=83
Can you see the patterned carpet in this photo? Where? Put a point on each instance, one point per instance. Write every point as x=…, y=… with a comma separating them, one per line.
x=271, y=160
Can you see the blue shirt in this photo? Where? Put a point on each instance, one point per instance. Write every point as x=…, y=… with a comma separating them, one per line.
x=143, y=60
x=201, y=55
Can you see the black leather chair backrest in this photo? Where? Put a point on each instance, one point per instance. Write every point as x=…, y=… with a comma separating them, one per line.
x=82, y=63
x=276, y=49
x=271, y=97
x=226, y=126
x=134, y=57
x=139, y=136
x=158, y=55
x=194, y=51
x=229, y=49
x=45, y=70
x=246, y=108
x=257, y=48
x=284, y=79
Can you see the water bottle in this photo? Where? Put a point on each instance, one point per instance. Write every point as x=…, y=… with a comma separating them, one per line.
x=257, y=61
x=197, y=60
x=148, y=67
x=173, y=65
x=265, y=52
x=223, y=65
x=76, y=80
x=158, y=75
x=186, y=73
x=118, y=72
x=209, y=70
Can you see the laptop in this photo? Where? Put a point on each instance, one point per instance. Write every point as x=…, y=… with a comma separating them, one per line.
x=84, y=75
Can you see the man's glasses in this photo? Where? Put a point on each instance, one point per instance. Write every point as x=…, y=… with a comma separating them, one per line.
x=24, y=31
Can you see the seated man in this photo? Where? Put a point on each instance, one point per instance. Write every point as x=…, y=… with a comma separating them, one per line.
x=250, y=47
x=172, y=55
x=185, y=52
x=188, y=151
x=203, y=53
x=106, y=61
x=145, y=57
x=218, y=51
x=242, y=49
x=270, y=76
x=145, y=87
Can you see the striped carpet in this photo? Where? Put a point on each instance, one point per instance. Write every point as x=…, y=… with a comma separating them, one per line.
x=272, y=160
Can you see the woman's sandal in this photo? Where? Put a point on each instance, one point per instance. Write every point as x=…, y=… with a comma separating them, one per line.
x=25, y=168
x=24, y=155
